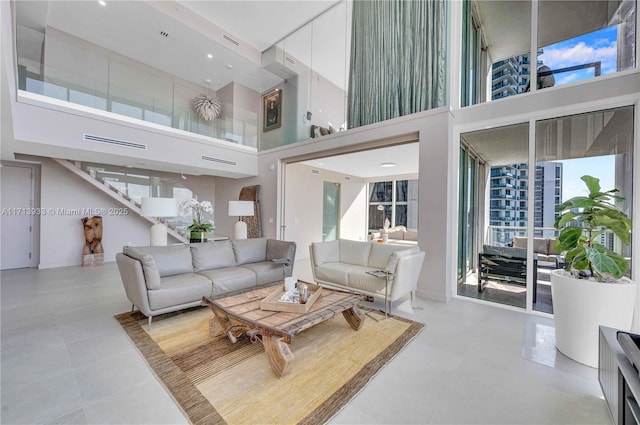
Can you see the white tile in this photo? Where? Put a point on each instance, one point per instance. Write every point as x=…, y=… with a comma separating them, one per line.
x=18, y=371
x=138, y=403
x=110, y=375
x=98, y=347
x=472, y=363
x=41, y=401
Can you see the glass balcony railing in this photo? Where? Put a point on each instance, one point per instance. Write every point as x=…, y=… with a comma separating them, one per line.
x=171, y=106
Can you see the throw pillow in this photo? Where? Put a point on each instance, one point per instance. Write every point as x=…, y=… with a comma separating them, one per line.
x=149, y=269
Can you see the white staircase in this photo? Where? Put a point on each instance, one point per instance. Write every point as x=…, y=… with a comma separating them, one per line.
x=116, y=194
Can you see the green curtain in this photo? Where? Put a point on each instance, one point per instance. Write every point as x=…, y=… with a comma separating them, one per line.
x=398, y=59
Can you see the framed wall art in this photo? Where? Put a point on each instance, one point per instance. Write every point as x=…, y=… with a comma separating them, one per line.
x=272, y=110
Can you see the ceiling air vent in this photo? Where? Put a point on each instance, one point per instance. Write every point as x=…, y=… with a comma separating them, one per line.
x=221, y=161
x=164, y=33
x=315, y=172
x=107, y=140
x=230, y=40
x=289, y=59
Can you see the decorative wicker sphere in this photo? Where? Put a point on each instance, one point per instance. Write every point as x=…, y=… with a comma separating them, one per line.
x=207, y=107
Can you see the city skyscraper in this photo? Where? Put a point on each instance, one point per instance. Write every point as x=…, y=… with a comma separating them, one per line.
x=509, y=199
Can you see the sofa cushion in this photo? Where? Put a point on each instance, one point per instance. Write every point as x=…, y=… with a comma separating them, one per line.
x=266, y=271
x=170, y=260
x=380, y=253
x=552, y=247
x=230, y=279
x=337, y=272
x=151, y=274
x=354, y=252
x=541, y=245
x=399, y=234
x=520, y=242
x=280, y=249
x=250, y=250
x=505, y=251
x=179, y=289
x=410, y=236
x=360, y=280
x=397, y=255
x=326, y=252
x=212, y=255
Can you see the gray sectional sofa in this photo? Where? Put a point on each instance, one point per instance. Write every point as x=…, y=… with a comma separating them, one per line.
x=162, y=279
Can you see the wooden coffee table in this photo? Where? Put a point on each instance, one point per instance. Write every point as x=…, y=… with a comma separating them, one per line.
x=239, y=313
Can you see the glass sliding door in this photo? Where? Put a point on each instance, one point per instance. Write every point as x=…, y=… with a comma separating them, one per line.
x=467, y=251
x=599, y=144
x=495, y=268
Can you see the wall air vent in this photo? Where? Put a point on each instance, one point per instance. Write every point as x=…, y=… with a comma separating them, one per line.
x=315, y=172
x=219, y=160
x=289, y=59
x=347, y=178
x=92, y=138
x=231, y=40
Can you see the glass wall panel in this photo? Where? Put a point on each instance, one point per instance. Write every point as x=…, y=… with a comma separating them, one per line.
x=580, y=40
x=599, y=144
x=493, y=215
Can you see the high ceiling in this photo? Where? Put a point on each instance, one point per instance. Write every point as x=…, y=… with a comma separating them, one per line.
x=194, y=30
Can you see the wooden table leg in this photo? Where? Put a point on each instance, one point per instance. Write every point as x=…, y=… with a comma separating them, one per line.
x=354, y=317
x=279, y=354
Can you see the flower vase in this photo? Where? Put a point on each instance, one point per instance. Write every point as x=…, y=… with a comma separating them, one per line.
x=195, y=237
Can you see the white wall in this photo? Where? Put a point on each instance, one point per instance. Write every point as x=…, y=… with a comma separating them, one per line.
x=61, y=233
x=62, y=236
x=436, y=186
x=304, y=206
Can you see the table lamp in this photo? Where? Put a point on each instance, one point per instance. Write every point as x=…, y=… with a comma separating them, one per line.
x=240, y=209
x=159, y=207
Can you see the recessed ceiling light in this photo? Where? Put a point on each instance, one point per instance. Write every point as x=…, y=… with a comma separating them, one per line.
x=230, y=66
x=388, y=164
x=320, y=163
x=209, y=55
x=102, y=3
x=208, y=81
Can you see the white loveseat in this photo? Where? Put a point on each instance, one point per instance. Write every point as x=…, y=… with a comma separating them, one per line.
x=343, y=264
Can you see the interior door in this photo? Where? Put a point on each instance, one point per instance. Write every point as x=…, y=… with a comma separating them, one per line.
x=16, y=220
x=330, y=211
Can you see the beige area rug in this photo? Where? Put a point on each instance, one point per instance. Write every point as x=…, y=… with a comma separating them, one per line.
x=215, y=381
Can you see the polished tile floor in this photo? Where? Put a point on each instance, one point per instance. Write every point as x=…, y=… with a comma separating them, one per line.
x=65, y=360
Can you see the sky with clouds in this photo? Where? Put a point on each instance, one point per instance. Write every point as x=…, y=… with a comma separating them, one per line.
x=597, y=46
x=600, y=46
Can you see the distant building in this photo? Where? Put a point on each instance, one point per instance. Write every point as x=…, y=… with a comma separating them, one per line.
x=509, y=199
x=511, y=76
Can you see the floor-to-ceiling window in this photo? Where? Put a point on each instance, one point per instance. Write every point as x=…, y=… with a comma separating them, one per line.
x=576, y=40
x=599, y=144
x=393, y=203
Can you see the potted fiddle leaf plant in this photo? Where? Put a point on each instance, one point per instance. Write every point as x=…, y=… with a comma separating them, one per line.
x=592, y=289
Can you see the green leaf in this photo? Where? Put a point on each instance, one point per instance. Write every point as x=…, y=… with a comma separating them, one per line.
x=603, y=265
x=593, y=184
x=569, y=237
x=564, y=219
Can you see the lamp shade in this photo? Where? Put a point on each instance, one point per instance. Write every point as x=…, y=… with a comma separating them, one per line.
x=240, y=208
x=159, y=207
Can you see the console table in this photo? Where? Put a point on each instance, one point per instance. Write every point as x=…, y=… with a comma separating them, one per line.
x=618, y=379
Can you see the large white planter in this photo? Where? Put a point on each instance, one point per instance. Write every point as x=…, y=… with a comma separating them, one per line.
x=580, y=306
